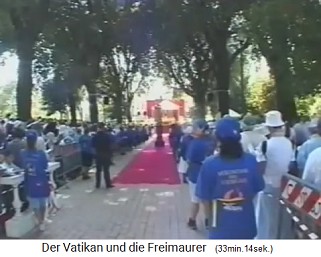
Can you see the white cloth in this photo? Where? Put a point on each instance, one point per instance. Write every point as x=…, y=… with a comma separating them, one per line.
x=192, y=192
x=182, y=166
x=312, y=169
x=250, y=140
x=278, y=156
x=41, y=144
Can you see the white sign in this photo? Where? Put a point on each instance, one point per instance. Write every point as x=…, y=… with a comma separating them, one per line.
x=288, y=189
x=302, y=197
x=316, y=210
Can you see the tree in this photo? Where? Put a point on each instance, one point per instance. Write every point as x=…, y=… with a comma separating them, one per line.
x=7, y=100
x=126, y=65
x=285, y=32
x=239, y=83
x=27, y=20
x=197, y=44
x=261, y=97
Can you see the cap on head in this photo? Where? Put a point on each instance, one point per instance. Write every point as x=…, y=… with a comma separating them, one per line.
x=200, y=125
x=228, y=129
x=31, y=136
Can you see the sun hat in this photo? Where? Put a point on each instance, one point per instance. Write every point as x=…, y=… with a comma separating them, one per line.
x=248, y=122
x=274, y=119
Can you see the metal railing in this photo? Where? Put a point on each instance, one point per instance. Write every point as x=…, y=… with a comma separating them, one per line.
x=301, y=201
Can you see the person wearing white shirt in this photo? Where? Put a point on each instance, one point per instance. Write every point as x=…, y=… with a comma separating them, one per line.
x=274, y=161
x=251, y=137
x=312, y=169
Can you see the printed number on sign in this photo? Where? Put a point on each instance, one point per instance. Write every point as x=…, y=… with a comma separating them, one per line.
x=303, y=196
x=316, y=210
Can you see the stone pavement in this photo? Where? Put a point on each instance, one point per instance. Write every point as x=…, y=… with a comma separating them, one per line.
x=135, y=212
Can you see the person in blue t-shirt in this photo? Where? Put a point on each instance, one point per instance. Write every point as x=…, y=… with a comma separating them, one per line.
x=37, y=183
x=227, y=185
x=198, y=149
x=87, y=153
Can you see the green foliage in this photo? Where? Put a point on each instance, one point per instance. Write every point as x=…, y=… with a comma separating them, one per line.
x=315, y=110
x=261, y=97
x=286, y=33
x=7, y=100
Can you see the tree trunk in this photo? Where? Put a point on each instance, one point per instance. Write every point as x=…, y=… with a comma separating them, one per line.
x=93, y=107
x=200, y=106
x=284, y=96
x=284, y=93
x=128, y=108
x=73, y=110
x=25, y=54
x=213, y=106
x=129, y=115
x=223, y=72
x=118, y=106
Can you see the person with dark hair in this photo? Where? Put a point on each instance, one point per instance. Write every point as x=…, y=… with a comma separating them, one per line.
x=85, y=142
x=102, y=143
x=198, y=149
x=16, y=145
x=37, y=184
x=227, y=184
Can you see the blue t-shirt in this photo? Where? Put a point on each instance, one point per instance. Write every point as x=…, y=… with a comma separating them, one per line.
x=85, y=142
x=197, y=151
x=183, y=146
x=35, y=164
x=231, y=185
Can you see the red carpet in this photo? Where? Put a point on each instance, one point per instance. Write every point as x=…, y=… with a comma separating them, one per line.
x=150, y=166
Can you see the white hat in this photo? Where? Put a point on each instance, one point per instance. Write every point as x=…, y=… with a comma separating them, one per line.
x=274, y=119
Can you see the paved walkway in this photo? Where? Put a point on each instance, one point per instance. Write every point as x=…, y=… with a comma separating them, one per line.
x=136, y=212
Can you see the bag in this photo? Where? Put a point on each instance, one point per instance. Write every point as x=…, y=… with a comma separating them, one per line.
x=182, y=166
x=264, y=147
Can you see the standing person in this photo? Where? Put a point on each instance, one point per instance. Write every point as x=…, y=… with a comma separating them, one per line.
x=183, y=146
x=274, y=156
x=227, y=185
x=86, y=148
x=199, y=148
x=310, y=145
x=37, y=183
x=102, y=144
x=312, y=169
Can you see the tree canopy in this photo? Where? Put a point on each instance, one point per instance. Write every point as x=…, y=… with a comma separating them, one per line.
x=110, y=47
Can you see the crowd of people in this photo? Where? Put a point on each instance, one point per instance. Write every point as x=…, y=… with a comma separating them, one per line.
x=27, y=148
x=234, y=169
